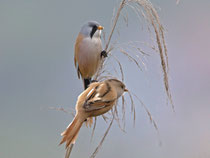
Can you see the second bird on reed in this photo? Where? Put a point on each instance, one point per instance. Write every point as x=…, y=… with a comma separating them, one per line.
x=96, y=100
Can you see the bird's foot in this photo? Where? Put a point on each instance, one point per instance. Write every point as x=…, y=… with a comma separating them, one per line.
x=104, y=54
x=92, y=81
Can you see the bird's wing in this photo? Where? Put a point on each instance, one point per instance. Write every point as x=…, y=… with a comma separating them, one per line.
x=76, y=65
x=100, y=97
x=97, y=105
x=76, y=51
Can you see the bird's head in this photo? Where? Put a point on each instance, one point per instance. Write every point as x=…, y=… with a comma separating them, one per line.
x=91, y=29
x=118, y=85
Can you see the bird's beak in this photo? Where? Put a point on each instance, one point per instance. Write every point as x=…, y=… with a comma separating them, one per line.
x=100, y=27
x=125, y=90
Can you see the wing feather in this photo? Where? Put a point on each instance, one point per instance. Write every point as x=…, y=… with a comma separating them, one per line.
x=76, y=51
x=100, y=97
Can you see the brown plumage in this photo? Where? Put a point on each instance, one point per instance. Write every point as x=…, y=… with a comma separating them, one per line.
x=87, y=56
x=96, y=100
x=88, y=51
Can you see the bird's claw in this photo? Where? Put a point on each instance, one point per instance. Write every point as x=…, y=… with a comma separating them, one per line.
x=104, y=54
x=92, y=81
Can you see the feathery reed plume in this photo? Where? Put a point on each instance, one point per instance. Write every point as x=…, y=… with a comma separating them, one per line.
x=145, y=9
x=151, y=16
x=149, y=13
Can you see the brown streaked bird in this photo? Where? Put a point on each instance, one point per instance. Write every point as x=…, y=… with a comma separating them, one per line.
x=88, y=51
x=96, y=100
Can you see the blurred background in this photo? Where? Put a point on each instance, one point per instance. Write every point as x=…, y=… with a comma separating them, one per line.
x=37, y=72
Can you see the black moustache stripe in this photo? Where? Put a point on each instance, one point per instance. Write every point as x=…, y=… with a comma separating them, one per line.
x=94, y=29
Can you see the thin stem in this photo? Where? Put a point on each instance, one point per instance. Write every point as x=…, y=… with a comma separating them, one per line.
x=115, y=22
x=102, y=140
x=68, y=151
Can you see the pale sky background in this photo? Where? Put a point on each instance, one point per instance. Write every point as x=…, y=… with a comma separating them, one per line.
x=37, y=72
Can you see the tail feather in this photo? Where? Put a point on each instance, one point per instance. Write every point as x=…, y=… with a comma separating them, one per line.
x=87, y=81
x=73, y=140
x=71, y=132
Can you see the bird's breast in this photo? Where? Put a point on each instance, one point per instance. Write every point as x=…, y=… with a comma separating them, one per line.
x=89, y=56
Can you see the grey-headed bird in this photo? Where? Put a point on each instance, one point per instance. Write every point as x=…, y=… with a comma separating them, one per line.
x=96, y=100
x=88, y=51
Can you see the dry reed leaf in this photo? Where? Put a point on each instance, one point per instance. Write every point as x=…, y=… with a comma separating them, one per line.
x=72, y=112
x=131, y=58
x=148, y=112
x=123, y=111
x=120, y=66
x=105, y=118
x=102, y=140
x=117, y=118
x=94, y=127
x=132, y=108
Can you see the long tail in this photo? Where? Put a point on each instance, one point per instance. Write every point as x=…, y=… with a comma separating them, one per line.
x=86, y=81
x=71, y=132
